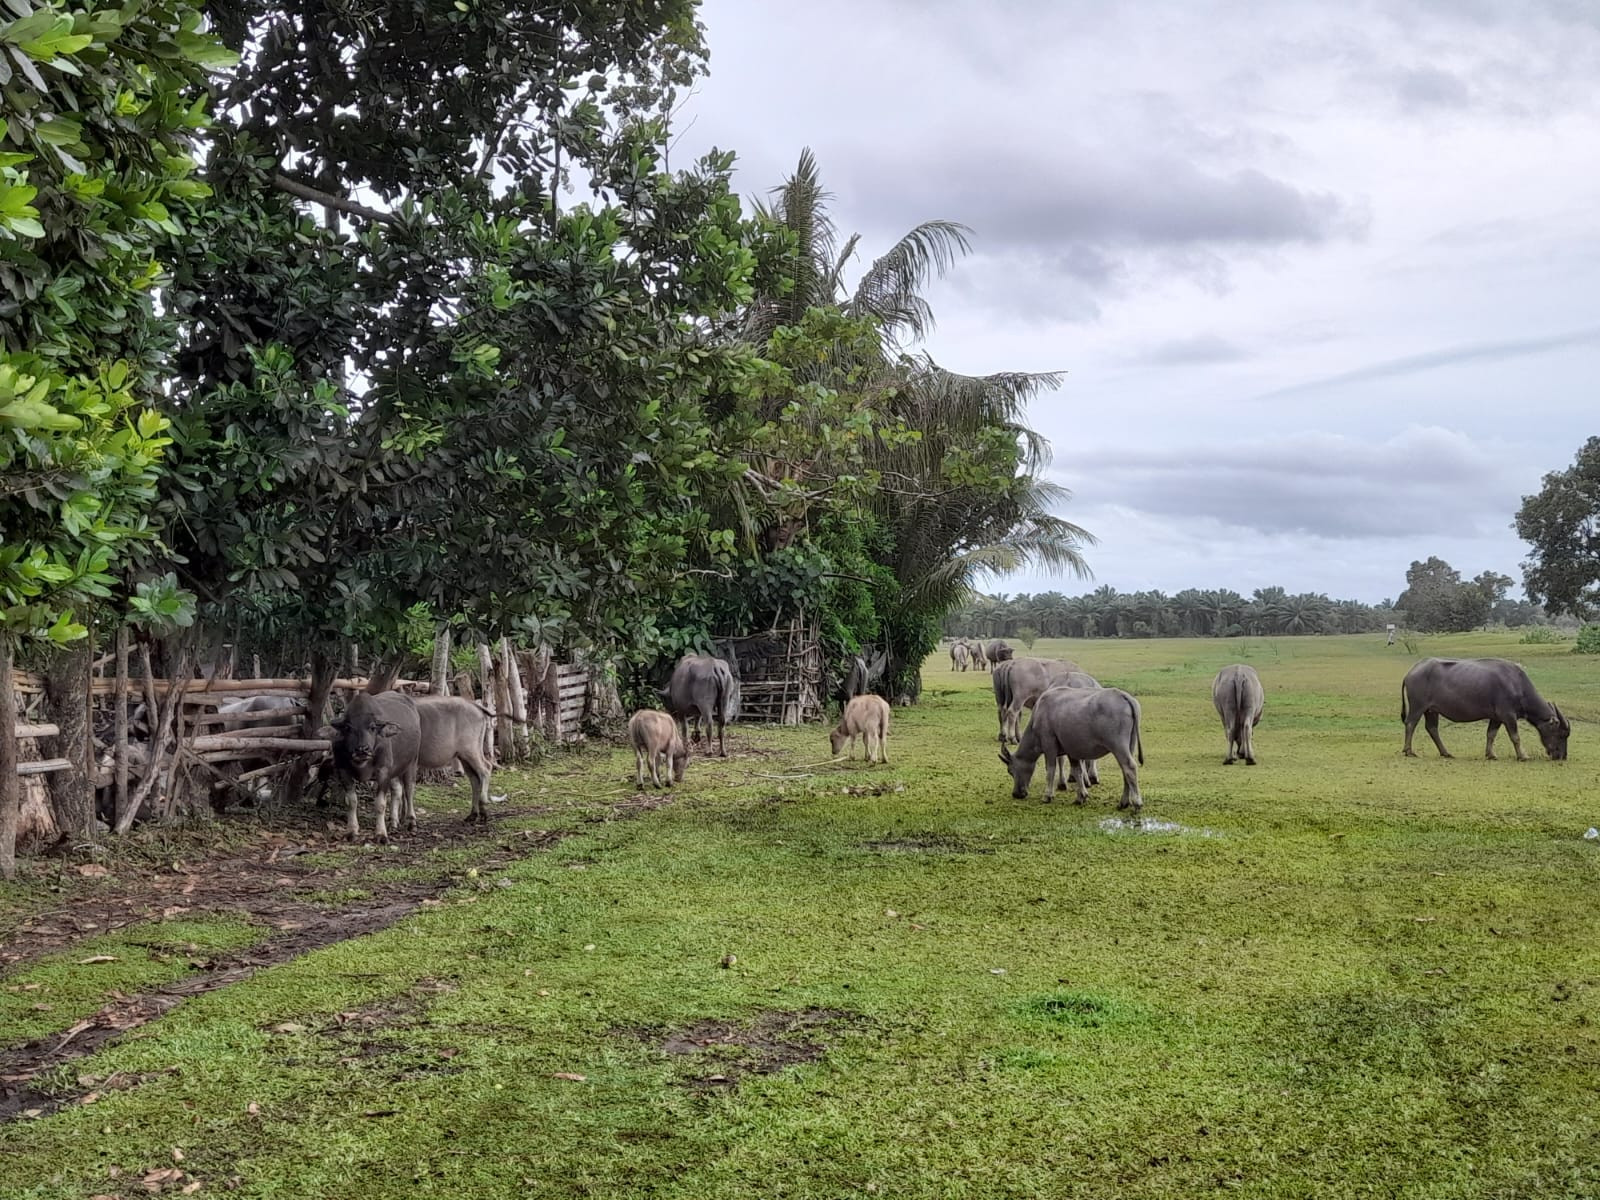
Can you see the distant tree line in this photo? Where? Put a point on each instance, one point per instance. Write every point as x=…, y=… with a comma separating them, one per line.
x=1436, y=599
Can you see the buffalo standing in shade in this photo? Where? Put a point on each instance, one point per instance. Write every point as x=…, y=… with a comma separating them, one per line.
x=703, y=688
x=1479, y=689
x=1238, y=695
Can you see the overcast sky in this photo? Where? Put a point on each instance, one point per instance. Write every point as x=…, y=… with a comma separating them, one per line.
x=1323, y=277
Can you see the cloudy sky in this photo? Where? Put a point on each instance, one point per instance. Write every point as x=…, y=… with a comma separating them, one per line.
x=1323, y=277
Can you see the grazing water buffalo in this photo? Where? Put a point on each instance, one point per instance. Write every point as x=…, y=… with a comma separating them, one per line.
x=702, y=688
x=1079, y=725
x=1084, y=682
x=980, y=657
x=998, y=652
x=1479, y=689
x=656, y=741
x=376, y=742
x=866, y=717
x=960, y=657
x=1018, y=682
x=1237, y=693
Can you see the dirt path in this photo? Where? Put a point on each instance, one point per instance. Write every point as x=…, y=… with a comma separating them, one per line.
x=272, y=883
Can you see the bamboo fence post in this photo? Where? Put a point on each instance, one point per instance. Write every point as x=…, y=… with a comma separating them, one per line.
x=119, y=748
x=10, y=781
x=441, y=662
x=486, y=674
x=519, y=702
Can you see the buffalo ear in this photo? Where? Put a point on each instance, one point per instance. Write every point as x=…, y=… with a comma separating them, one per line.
x=341, y=724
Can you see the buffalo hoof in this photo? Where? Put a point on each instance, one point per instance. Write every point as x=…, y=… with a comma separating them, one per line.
x=1409, y=753
x=1445, y=754
x=1125, y=804
x=1249, y=762
x=1228, y=762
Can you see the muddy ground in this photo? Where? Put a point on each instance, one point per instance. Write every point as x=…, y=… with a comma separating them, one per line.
x=295, y=873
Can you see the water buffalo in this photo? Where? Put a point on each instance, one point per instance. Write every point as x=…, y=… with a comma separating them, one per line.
x=980, y=658
x=1082, y=681
x=704, y=689
x=1079, y=725
x=1018, y=682
x=1479, y=689
x=655, y=739
x=866, y=717
x=998, y=652
x=455, y=730
x=376, y=742
x=960, y=657
x=1237, y=693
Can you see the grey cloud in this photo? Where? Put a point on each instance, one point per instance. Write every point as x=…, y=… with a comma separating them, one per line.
x=1435, y=359
x=1430, y=88
x=1198, y=350
x=1423, y=481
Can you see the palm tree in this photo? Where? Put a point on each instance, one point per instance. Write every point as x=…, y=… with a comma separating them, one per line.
x=948, y=533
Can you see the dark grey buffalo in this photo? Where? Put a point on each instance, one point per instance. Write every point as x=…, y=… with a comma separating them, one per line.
x=1238, y=695
x=376, y=741
x=702, y=689
x=1018, y=682
x=1078, y=726
x=998, y=652
x=1479, y=689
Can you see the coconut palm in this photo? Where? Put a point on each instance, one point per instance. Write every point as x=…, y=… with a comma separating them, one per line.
x=947, y=534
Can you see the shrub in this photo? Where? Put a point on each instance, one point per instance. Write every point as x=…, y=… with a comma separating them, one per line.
x=1027, y=635
x=1541, y=635
x=1588, y=640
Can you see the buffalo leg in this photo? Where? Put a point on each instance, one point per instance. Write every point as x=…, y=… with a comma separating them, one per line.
x=477, y=769
x=1083, y=782
x=883, y=744
x=1052, y=767
x=1430, y=722
x=1411, y=720
x=350, y=802
x=638, y=767
x=1130, y=781
x=380, y=796
x=722, y=734
x=1246, y=743
x=1516, y=738
x=1494, y=728
x=409, y=792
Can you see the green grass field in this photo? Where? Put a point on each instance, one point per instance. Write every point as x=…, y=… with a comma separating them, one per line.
x=1338, y=973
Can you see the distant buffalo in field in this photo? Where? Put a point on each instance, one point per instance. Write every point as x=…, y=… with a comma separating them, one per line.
x=1239, y=698
x=960, y=657
x=1076, y=726
x=1479, y=689
x=980, y=656
x=998, y=652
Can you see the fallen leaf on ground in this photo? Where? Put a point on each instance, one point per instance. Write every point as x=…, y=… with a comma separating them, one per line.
x=177, y=1154
x=253, y=1109
x=97, y=958
x=93, y=871
x=574, y=1077
x=189, y=1189
x=288, y=1027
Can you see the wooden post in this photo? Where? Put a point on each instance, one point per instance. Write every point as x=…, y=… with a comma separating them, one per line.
x=441, y=662
x=486, y=678
x=159, y=731
x=119, y=744
x=519, y=702
x=323, y=675
x=10, y=781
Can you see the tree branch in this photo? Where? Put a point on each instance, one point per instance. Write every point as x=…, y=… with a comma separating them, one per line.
x=328, y=200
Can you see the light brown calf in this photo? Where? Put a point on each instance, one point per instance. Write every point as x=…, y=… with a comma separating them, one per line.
x=655, y=739
x=866, y=717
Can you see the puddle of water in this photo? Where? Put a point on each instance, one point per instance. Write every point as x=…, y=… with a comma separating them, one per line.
x=1147, y=825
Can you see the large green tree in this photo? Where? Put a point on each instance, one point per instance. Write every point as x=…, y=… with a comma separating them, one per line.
x=1561, y=523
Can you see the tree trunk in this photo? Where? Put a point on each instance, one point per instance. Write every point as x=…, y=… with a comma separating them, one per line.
x=441, y=663
x=323, y=673
x=66, y=705
x=10, y=782
x=119, y=744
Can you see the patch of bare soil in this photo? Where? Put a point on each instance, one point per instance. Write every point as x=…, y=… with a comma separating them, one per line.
x=281, y=881
x=769, y=1043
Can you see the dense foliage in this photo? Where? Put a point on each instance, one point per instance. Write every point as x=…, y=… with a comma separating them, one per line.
x=1193, y=612
x=1562, y=522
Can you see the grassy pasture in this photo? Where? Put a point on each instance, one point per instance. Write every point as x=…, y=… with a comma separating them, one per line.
x=1343, y=973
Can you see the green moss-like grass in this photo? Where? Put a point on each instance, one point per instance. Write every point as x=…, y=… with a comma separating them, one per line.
x=1344, y=973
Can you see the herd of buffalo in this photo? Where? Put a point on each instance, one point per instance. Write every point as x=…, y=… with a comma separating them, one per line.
x=383, y=739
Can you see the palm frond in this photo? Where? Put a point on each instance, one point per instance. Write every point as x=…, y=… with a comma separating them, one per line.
x=891, y=290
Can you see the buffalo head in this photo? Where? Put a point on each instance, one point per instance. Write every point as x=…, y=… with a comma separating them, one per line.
x=1021, y=772
x=1554, y=732
x=361, y=730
